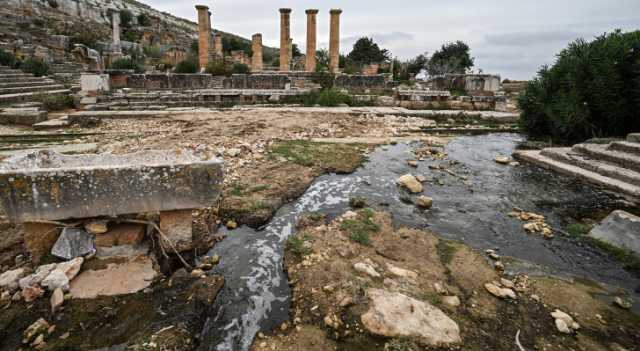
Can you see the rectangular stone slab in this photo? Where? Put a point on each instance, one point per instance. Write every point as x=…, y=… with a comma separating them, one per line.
x=46, y=185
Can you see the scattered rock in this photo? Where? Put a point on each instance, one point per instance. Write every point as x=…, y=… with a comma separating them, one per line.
x=410, y=183
x=424, y=202
x=38, y=327
x=440, y=288
x=72, y=243
x=421, y=178
x=507, y=283
x=37, y=277
x=9, y=279
x=231, y=224
x=412, y=163
x=392, y=314
x=198, y=273
x=367, y=269
x=401, y=272
x=96, y=227
x=71, y=268
x=57, y=299
x=32, y=293
x=564, y=322
x=452, y=301
x=620, y=229
x=622, y=303
x=56, y=279
x=499, y=266
x=503, y=160
x=497, y=291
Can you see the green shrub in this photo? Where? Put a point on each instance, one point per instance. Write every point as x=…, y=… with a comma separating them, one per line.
x=218, y=68
x=35, y=66
x=144, y=20
x=152, y=51
x=333, y=97
x=125, y=63
x=361, y=228
x=126, y=17
x=86, y=38
x=7, y=58
x=240, y=68
x=186, y=66
x=56, y=102
x=593, y=90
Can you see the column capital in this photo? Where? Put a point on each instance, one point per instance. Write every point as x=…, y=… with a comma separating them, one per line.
x=202, y=8
x=257, y=35
x=285, y=10
x=335, y=11
x=312, y=11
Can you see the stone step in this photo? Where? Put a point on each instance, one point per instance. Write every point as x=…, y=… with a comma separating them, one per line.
x=601, y=152
x=28, y=89
x=625, y=146
x=15, y=75
x=27, y=84
x=21, y=79
x=633, y=137
x=22, y=116
x=10, y=71
x=566, y=154
x=615, y=185
x=30, y=96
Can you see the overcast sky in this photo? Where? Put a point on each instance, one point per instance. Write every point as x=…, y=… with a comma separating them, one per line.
x=507, y=37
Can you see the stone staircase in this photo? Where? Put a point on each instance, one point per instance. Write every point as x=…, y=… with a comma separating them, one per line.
x=16, y=86
x=66, y=73
x=615, y=166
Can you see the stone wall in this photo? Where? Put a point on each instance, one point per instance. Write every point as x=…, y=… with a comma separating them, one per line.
x=363, y=84
x=257, y=81
x=476, y=83
x=166, y=81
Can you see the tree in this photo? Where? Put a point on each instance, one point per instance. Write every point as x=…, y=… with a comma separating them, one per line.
x=322, y=60
x=295, y=51
x=144, y=20
x=125, y=18
x=592, y=90
x=365, y=51
x=451, y=58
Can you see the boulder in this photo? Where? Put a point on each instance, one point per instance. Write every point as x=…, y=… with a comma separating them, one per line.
x=395, y=315
x=424, y=202
x=410, y=183
x=497, y=291
x=621, y=229
x=56, y=279
x=37, y=277
x=72, y=243
x=57, y=299
x=564, y=322
x=366, y=269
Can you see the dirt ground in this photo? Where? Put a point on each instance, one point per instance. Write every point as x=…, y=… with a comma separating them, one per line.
x=330, y=295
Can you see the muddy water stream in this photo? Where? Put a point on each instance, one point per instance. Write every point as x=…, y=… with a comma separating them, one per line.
x=471, y=203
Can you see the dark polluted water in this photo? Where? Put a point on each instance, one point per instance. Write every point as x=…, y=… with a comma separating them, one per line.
x=471, y=203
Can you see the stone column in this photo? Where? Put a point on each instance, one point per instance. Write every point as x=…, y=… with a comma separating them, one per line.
x=218, y=47
x=285, y=34
x=310, y=63
x=204, y=35
x=334, y=41
x=116, y=46
x=256, y=47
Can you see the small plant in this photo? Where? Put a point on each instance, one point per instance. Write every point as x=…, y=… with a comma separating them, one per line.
x=152, y=51
x=7, y=58
x=126, y=17
x=144, y=20
x=125, y=63
x=240, y=68
x=361, y=228
x=218, y=68
x=358, y=202
x=578, y=229
x=35, y=66
x=56, y=102
x=297, y=244
x=186, y=67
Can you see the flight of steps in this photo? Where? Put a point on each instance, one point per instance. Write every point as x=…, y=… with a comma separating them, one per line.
x=615, y=166
x=66, y=73
x=17, y=86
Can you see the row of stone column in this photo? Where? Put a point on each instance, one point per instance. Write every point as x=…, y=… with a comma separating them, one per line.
x=286, y=43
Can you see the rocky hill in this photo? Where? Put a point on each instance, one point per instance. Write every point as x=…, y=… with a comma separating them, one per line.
x=49, y=27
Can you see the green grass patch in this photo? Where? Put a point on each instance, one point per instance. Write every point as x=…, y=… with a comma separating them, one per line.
x=340, y=158
x=361, y=228
x=630, y=260
x=238, y=189
x=578, y=229
x=446, y=250
x=297, y=244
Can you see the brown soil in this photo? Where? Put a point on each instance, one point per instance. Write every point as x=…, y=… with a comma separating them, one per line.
x=320, y=262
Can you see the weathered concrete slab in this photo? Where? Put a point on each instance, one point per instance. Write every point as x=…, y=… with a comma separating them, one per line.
x=67, y=149
x=46, y=185
x=621, y=229
x=17, y=97
x=602, y=152
x=22, y=116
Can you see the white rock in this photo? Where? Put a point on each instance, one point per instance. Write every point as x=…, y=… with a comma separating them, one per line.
x=57, y=298
x=349, y=215
x=497, y=291
x=392, y=314
x=71, y=268
x=424, y=202
x=367, y=269
x=564, y=320
x=452, y=301
x=56, y=279
x=504, y=160
x=507, y=283
x=401, y=272
x=410, y=183
x=9, y=279
x=563, y=327
x=37, y=277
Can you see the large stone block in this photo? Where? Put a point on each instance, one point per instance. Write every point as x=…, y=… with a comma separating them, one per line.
x=45, y=185
x=621, y=229
x=177, y=226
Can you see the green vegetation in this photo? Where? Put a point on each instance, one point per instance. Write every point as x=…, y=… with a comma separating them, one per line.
x=55, y=102
x=153, y=51
x=7, y=58
x=126, y=18
x=358, y=202
x=592, y=90
x=630, y=260
x=578, y=229
x=365, y=51
x=240, y=68
x=446, y=250
x=144, y=20
x=234, y=44
x=451, y=58
x=339, y=158
x=361, y=228
x=35, y=66
x=127, y=63
x=218, y=68
x=186, y=66
x=241, y=189
x=328, y=97
x=297, y=244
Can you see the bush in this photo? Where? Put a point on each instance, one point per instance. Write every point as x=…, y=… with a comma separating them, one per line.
x=56, y=103
x=593, y=90
x=7, y=58
x=240, y=68
x=144, y=20
x=218, y=68
x=153, y=51
x=333, y=97
x=35, y=66
x=125, y=63
x=186, y=66
x=126, y=17
x=86, y=38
